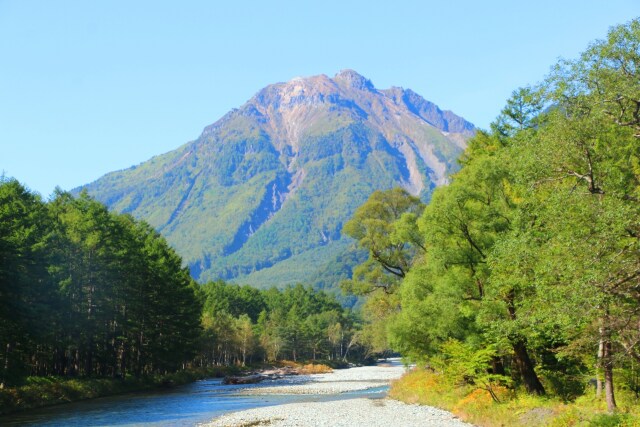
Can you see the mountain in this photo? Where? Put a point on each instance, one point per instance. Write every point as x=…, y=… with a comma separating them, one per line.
x=260, y=197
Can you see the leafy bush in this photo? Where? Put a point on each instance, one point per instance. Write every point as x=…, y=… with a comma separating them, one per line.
x=465, y=365
x=610, y=420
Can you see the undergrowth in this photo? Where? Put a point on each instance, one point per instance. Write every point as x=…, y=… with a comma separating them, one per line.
x=515, y=408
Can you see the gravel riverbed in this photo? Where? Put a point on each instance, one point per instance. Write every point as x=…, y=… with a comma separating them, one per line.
x=340, y=412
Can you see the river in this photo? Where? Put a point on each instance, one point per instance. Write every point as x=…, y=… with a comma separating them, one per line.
x=186, y=405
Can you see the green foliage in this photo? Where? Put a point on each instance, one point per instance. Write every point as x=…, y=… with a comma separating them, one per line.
x=464, y=364
x=384, y=226
x=523, y=111
x=234, y=300
x=26, y=291
x=610, y=420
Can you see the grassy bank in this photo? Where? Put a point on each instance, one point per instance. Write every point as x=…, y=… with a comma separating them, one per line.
x=476, y=406
x=46, y=391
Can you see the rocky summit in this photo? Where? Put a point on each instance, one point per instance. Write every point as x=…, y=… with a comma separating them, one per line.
x=261, y=196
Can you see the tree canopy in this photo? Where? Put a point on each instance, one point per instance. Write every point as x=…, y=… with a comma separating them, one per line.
x=531, y=254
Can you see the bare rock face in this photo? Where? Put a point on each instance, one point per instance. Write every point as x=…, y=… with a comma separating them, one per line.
x=261, y=195
x=353, y=80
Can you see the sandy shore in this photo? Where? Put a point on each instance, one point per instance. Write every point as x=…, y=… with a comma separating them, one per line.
x=345, y=412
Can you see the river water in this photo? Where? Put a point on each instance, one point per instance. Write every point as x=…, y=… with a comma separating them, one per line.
x=186, y=405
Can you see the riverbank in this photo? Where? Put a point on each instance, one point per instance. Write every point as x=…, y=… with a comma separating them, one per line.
x=515, y=408
x=342, y=411
x=48, y=391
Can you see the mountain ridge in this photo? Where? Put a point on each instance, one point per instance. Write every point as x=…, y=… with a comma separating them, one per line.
x=277, y=177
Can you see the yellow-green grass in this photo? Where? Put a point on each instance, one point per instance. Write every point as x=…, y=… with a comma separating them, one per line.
x=307, y=368
x=516, y=408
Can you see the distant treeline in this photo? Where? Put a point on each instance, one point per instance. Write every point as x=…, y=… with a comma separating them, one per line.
x=87, y=292
x=244, y=324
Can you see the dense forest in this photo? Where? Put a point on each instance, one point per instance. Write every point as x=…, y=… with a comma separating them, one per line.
x=524, y=271
x=85, y=292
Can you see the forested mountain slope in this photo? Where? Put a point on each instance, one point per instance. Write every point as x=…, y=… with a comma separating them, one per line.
x=261, y=196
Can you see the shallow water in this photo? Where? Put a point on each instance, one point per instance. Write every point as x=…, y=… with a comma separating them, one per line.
x=186, y=405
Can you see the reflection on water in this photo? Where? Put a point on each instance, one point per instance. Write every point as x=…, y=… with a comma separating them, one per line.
x=186, y=405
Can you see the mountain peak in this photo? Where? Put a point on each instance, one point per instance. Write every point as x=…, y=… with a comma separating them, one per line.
x=261, y=196
x=353, y=80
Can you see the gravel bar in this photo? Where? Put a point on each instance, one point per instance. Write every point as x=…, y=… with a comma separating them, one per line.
x=343, y=412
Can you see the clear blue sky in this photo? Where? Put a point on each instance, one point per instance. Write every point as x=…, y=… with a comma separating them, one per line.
x=88, y=87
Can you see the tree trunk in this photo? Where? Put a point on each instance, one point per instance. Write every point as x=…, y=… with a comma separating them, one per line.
x=497, y=367
x=607, y=364
x=599, y=366
x=522, y=359
x=527, y=371
x=139, y=355
x=5, y=369
x=123, y=362
x=352, y=342
x=76, y=362
x=88, y=361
